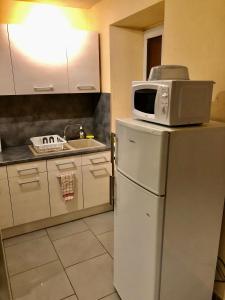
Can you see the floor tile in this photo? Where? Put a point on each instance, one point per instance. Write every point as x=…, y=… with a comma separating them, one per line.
x=24, y=256
x=107, y=240
x=112, y=297
x=92, y=279
x=48, y=282
x=24, y=238
x=63, y=230
x=100, y=223
x=77, y=248
x=71, y=298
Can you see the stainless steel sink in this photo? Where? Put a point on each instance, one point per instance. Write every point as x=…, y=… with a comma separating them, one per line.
x=85, y=144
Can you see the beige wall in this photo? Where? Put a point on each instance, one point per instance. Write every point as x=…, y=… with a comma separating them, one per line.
x=104, y=14
x=194, y=35
x=126, y=61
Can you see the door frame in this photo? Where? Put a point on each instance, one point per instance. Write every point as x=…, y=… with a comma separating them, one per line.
x=148, y=34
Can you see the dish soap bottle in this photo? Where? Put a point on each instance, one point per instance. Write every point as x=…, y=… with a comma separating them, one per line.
x=82, y=133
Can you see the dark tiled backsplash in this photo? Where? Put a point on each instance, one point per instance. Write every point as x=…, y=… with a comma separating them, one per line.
x=22, y=117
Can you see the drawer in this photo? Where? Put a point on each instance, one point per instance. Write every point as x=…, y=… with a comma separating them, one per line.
x=96, y=158
x=96, y=184
x=64, y=164
x=6, y=219
x=27, y=169
x=58, y=204
x=3, y=173
x=30, y=198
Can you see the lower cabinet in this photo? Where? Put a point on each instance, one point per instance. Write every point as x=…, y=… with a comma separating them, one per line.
x=6, y=219
x=30, y=198
x=58, y=204
x=32, y=191
x=96, y=184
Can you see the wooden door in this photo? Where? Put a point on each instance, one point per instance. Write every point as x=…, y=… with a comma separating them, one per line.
x=154, y=52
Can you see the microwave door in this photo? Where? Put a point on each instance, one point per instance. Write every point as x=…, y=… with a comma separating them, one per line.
x=144, y=100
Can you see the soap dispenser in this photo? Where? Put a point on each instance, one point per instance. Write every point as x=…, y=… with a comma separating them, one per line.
x=82, y=133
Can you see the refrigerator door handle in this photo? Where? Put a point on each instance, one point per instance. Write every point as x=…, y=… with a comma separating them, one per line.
x=116, y=152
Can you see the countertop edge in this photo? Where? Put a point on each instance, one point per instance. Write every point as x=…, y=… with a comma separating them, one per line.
x=31, y=157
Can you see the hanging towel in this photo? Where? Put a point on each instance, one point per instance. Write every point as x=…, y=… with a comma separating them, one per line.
x=67, y=183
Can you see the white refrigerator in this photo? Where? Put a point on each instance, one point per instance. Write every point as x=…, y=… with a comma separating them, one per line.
x=169, y=196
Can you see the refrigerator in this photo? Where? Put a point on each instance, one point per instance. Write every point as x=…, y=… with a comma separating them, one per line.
x=169, y=197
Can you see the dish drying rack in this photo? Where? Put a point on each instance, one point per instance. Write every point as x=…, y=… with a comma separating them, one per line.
x=48, y=143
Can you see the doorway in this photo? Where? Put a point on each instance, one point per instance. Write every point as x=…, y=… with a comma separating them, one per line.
x=152, y=49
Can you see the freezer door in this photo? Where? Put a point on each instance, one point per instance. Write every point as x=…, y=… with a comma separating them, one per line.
x=142, y=156
x=138, y=238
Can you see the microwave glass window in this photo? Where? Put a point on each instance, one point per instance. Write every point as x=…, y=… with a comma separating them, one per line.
x=144, y=100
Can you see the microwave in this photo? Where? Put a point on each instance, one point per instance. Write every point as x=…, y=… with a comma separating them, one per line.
x=172, y=102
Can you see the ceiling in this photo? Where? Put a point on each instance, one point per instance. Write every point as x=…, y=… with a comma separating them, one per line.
x=71, y=3
x=144, y=19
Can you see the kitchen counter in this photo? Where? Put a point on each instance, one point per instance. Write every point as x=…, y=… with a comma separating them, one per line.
x=22, y=154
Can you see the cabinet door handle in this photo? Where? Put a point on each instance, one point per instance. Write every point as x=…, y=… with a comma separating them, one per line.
x=30, y=181
x=58, y=164
x=98, y=160
x=28, y=169
x=48, y=88
x=86, y=87
x=96, y=173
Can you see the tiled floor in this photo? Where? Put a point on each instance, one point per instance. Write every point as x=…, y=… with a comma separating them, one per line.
x=73, y=261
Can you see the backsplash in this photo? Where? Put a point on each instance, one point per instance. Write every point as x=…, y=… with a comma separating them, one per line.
x=22, y=117
x=102, y=119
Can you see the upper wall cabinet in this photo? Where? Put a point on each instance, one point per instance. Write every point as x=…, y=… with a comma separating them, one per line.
x=54, y=61
x=39, y=60
x=83, y=61
x=6, y=75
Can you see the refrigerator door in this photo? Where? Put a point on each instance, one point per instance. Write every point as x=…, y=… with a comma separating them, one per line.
x=138, y=239
x=142, y=154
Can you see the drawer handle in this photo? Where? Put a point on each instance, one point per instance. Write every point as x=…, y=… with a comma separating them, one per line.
x=96, y=174
x=44, y=88
x=98, y=160
x=58, y=164
x=86, y=87
x=30, y=181
x=28, y=169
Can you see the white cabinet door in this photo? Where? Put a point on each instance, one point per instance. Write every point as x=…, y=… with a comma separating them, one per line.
x=6, y=219
x=83, y=61
x=58, y=205
x=39, y=60
x=6, y=75
x=96, y=184
x=138, y=240
x=30, y=198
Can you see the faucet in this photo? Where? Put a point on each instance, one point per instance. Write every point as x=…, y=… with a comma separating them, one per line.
x=66, y=127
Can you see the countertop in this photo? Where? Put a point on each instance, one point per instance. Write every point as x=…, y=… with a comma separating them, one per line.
x=22, y=154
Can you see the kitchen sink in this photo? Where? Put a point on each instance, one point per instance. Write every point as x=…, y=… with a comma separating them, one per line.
x=85, y=144
x=73, y=145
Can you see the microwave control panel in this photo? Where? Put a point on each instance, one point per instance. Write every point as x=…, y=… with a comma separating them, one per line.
x=164, y=101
